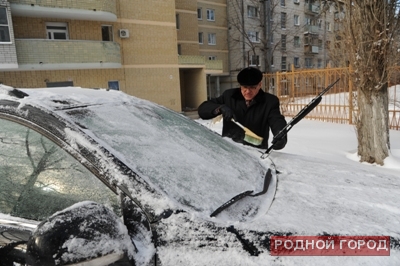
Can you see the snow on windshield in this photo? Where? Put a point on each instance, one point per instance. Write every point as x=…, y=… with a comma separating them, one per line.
x=184, y=159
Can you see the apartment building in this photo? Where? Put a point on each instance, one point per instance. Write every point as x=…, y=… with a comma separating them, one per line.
x=279, y=35
x=174, y=52
x=213, y=39
x=148, y=49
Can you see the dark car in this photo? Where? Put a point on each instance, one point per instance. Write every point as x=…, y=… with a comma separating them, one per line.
x=103, y=178
x=98, y=177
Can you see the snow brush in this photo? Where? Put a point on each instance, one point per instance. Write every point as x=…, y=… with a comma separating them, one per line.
x=303, y=112
x=249, y=136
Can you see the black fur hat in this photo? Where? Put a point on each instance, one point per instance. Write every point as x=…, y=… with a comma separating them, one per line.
x=249, y=76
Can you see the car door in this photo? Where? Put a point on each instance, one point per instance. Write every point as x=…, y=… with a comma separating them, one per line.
x=37, y=179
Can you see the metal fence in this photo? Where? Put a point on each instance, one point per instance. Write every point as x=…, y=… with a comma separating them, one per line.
x=296, y=89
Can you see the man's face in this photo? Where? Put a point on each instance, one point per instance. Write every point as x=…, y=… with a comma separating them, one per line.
x=249, y=92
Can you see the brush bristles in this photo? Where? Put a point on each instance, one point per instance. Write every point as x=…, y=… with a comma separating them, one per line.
x=255, y=140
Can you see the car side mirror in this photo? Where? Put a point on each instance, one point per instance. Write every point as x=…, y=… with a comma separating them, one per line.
x=85, y=232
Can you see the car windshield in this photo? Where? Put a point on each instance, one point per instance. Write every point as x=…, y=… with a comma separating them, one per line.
x=184, y=159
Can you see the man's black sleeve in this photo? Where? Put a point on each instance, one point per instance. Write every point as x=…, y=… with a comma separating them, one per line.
x=276, y=120
x=207, y=109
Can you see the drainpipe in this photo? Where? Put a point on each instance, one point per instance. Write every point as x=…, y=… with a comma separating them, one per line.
x=209, y=86
x=267, y=25
x=218, y=86
x=229, y=48
x=243, y=36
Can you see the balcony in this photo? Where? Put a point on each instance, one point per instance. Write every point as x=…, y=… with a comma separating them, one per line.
x=312, y=8
x=42, y=54
x=72, y=9
x=311, y=49
x=311, y=29
x=195, y=61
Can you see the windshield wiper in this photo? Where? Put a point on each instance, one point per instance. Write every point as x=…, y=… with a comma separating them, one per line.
x=267, y=180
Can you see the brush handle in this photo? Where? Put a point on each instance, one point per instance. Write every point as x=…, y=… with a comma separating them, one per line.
x=237, y=123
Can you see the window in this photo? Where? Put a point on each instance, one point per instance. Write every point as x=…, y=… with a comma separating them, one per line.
x=212, y=39
x=296, y=62
x=254, y=60
x=179, y=48
x=252, y=12
x=307, y=21
x=319, y=63
x=328, y=26
x=210, y=15
x=308, y=63
x=59, y=84
x=177, y=21
x=307, y=40
x=320, y=43
x=57, y=31
x=296, y=20
x=283, y=2
x=199, y=14
x=212, y=57
x=283, y=20
x=200, y=37
x=113, y=85
x=253, y=36
x=4, y=26
x=283, y=63
x=319, y=23
x=296, y=41
x=107, y=33
x=283, y=42
x=37, y=184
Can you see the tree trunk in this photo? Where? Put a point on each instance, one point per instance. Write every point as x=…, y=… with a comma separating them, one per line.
x=372, y=125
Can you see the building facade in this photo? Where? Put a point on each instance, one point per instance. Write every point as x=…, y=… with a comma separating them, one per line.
x=279, y=35
x=134, y=46
x=176, y=53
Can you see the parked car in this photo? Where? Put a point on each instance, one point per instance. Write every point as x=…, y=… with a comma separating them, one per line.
x=98, y=177
x=75, y=161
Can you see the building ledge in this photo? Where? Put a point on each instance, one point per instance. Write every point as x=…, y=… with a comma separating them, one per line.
x=43, y=54
x=37, y=11
x=195, y=61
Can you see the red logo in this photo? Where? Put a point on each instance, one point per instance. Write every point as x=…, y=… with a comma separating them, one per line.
x=330, y=246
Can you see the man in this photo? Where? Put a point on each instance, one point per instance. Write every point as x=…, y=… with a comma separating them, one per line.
x=250, y=106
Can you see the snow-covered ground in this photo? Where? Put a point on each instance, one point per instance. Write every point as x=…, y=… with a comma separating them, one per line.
x=328, y=141
x=320, y=167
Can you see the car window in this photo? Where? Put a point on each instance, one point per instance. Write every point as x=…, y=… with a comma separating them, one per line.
x=38, y=178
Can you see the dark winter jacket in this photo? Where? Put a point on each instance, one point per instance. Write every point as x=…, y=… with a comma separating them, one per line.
x=262, y=114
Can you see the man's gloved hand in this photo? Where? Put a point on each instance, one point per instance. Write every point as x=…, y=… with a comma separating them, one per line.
x=226, y=112
x=280, y=144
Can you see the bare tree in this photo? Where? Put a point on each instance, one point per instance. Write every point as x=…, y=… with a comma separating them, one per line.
x=366, y=42
x=252, y=24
